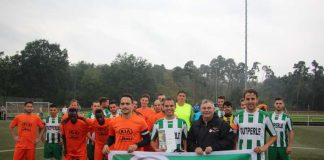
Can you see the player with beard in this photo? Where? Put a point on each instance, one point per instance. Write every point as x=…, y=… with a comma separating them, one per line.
x=114, y=109
x=285, y=134
x=127, y=132
x=252, y=126
x=100, y=126
x=74, y=131
x=104, y=103
x=26, y=140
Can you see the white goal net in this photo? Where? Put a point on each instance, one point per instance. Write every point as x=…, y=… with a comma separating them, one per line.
x=14, y=108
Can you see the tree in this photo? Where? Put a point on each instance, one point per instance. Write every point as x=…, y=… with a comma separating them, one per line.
x=132, y=75
x=252, y=73
x=317, y=84
x=268, y=72
x=9, y=76
x=217, y=67
x=301, y=76
x=44, y=69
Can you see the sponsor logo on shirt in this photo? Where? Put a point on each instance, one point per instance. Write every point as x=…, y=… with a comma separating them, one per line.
x=278, y=125
x=126, y=134
x=26, y=126
x=250, y=131
x=214, y=130
x=125, y=131
x=55, y=128
x=74, y=134
x=102, y=131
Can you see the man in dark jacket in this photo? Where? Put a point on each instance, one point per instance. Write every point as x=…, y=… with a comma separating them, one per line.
x=209, y=133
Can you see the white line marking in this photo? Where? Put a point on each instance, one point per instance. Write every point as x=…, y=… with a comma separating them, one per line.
x=10, y=150
x=308, y=148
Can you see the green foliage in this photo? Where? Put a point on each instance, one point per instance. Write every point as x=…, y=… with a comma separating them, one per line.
x=39, y=71
x=42, y=70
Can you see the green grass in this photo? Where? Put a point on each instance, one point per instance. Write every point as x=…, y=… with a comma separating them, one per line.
x=308, y=137
x=7, y=143
x=304, y=118
x=305, y=136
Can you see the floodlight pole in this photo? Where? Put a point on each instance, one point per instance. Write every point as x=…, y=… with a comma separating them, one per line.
x=246, y=67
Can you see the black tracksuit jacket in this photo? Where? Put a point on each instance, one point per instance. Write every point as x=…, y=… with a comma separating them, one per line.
x=216, y=133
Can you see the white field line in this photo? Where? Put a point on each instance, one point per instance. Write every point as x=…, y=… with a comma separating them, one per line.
x=11, y=150
x=308, y=148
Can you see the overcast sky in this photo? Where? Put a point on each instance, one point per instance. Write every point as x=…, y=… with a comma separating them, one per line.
x=170, y=32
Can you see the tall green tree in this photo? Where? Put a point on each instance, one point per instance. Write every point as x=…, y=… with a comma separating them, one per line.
x=43, y=70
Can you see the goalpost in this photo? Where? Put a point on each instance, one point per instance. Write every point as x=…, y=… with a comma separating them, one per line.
x=14, y=108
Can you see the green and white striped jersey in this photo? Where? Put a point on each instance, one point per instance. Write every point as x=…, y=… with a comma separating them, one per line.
x=252, y=130
x=173, y=132
x=92, y=116
x=282, y=124
x=220, y=113
x=52, y=125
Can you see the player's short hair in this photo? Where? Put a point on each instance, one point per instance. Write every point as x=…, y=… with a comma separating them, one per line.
x=113, y=102
x=128, y=96
x=74, y=100
x=53, y=106
x=221, y=97
x=145, y=95
x=278, y=99
x=102, y=100
x=228, y=103
x=182, y=91
x=168, y=99
x=95, y=102
x=250, y=91
x=242, y=99
x=28, y=102
x=204, y=101
x=98, y=111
